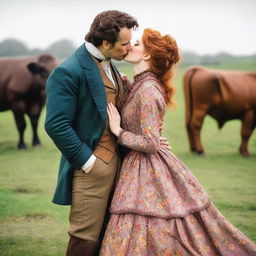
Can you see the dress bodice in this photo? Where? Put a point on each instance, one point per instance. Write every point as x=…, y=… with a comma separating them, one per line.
x=153, y=181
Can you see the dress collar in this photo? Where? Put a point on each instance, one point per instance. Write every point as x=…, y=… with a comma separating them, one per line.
x=141, y=75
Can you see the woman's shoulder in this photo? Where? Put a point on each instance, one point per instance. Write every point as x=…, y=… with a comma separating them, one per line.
x=150, y=94
x=151, y=88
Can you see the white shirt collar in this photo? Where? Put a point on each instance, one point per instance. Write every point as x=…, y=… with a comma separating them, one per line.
x=94, y=51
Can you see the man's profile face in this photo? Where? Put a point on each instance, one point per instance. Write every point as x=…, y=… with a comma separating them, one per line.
x=122, y=46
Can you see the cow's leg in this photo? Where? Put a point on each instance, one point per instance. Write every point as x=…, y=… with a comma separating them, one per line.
x=34, y=117
x=191, y=137
x=34, y=123
x=246, y=132
x=195, y=129
x=18, y=111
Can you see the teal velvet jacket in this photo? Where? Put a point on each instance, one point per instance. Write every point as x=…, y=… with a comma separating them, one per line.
x=75, y=115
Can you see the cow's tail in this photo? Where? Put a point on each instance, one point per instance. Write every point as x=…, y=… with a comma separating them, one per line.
x=187, y=89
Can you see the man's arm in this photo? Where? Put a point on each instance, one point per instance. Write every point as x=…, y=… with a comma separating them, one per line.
x=61, y=91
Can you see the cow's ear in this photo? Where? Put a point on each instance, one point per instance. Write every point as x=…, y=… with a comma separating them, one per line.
x=34, y=68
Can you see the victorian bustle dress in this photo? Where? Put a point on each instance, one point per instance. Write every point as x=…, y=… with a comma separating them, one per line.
x=159, y=208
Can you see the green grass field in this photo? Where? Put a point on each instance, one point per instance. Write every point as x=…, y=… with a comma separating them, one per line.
x=31, y=225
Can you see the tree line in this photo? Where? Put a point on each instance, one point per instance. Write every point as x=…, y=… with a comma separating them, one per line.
x=65, y=47
x=13, y=47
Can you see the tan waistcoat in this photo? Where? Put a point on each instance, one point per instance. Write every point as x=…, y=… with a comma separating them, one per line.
x=107, y=144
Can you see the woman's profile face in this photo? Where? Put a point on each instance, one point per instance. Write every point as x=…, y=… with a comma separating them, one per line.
x=135, y=55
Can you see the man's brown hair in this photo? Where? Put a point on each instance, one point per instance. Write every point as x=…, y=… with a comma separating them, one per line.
x=106, y=26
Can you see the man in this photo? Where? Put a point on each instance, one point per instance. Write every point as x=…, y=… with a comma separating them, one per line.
x=78, y=92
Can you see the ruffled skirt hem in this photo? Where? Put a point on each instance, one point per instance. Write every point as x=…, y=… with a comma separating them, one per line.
x=203, y=233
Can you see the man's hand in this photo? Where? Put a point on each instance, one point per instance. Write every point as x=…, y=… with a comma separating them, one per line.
x=89, y=164
x=124, y=77
x=88, y=169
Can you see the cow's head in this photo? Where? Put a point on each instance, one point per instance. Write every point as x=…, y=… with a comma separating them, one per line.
x=41, y=71
x=43, y=67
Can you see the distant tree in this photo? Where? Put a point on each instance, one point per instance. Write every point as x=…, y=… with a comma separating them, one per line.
x=61, y=48
x=35, y=51
x=224, y=57
x=13, y=47
x=190, y=58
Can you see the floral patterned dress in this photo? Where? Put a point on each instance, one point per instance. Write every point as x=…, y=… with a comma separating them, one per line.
x=159, y=208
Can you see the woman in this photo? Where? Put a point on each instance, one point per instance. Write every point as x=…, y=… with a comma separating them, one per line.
x=159, y=208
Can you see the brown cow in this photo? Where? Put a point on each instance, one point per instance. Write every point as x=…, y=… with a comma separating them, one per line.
x=22, y=90
x=224, y=95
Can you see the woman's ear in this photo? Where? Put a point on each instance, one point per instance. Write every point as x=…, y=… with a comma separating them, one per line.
x=106, y=45
x=146, y=56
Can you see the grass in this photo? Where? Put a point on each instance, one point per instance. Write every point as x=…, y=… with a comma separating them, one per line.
x=32, y=225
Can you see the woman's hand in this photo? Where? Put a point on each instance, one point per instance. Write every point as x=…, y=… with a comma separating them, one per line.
x=114, y=119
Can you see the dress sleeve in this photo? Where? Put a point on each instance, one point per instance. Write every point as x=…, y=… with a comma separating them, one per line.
x=150, y=106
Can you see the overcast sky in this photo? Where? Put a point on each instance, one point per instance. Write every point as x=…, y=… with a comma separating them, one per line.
x=204, y=26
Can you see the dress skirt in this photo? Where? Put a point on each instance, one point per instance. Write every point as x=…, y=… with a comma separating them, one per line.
x=204, y=233
x=160, y=209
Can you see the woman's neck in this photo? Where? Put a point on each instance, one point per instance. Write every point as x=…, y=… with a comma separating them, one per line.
x=140, y=67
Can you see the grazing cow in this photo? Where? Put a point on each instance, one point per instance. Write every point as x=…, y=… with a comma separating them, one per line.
x=224, y=95
x=22, y=90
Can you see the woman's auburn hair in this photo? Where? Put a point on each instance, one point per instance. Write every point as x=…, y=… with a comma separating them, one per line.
x=164, y=54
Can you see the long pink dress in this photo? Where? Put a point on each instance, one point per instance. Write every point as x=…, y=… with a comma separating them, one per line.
x=159, y=208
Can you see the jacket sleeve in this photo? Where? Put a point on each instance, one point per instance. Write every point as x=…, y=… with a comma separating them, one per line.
x=150, y=106
x=61, y=102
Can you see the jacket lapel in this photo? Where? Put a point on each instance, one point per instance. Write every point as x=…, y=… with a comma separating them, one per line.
x=94, y=80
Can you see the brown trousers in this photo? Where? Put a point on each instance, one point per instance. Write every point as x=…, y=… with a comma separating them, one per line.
x=90, y=197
